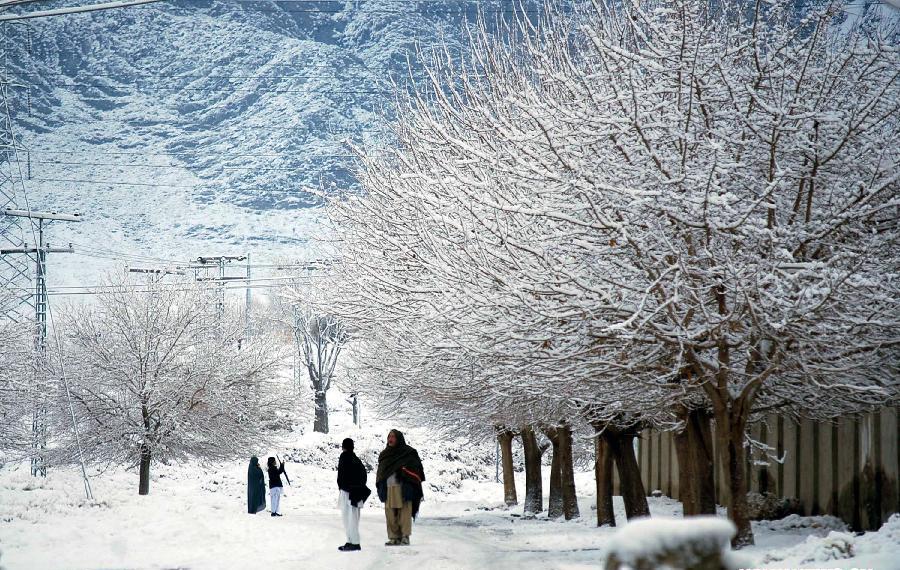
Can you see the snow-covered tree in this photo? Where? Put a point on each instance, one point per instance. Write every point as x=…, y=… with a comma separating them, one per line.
x=321, y=338
x=645, y=209
x=741, y=161
x=155, y=375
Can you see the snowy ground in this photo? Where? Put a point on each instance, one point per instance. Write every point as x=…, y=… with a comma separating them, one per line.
x=195, y=518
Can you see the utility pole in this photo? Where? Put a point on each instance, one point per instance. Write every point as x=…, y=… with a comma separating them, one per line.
x=298, y=375
x=247, y=301
x=39, y=252
x=220, y=262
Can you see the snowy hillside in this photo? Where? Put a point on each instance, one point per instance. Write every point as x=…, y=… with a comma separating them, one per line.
x=198, y=128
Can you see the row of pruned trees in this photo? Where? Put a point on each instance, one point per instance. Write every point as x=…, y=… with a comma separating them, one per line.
x=650, y=214
x=148, y=372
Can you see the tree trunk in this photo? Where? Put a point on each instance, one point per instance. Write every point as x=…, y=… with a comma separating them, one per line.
x=603, y=474
x=730, y=427
x=621, y=443
x=555, y=505
x=534, y=485
x=688, y=486
x=693, y=447
x=701, y=433
x=505, y=438
x=321, y=423
x=567, y=474
x=144, y=480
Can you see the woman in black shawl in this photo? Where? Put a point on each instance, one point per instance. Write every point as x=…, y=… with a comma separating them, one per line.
x=399, y=484
x=256, y=487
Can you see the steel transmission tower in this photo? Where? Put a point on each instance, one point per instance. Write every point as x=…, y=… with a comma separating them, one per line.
x=23, y=249
x=15, y=231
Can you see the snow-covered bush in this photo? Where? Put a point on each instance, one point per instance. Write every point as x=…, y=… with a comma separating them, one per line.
x=699, y=543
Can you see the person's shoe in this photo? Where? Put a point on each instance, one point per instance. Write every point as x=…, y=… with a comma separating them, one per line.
x=274, y=515
x=404, y=541
x=348, y=547
x=393, y=542
x=355, y=547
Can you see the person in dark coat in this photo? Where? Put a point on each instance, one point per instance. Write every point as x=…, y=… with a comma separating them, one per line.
x=399, y=484
x=256, y=487
x=275, y=486
x=353, y=493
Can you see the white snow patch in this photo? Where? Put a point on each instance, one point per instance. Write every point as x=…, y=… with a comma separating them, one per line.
x=879, y=549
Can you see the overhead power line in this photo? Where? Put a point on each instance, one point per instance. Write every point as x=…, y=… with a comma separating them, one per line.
x=189, y=166
x=73, y=10
x=225, y=88
x=193, y=154
x=210, y=186
x=149, y=76
x=130, y=255
x=227, y=285
x=116, y=183
x=253, y=280
x=421, y=8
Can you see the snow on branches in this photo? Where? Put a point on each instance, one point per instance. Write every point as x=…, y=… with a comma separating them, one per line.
x=638, y=207
x=20, y=382
x=157, y=373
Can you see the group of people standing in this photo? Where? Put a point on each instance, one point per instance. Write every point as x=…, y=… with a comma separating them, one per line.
x=398, y=481
x=256, y=486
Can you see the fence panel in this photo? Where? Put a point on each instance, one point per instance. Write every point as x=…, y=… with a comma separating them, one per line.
x=790, y=447
x=848, y=468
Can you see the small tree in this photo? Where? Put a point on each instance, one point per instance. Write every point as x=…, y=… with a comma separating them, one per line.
x=157, y=376
x=321, y=338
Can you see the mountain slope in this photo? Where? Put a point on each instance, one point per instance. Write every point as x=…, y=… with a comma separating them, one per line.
x=190, y=128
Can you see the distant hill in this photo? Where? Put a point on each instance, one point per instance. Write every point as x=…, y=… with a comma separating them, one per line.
x=192, y=128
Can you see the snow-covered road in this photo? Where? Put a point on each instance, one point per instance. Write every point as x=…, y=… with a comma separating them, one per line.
x=195, y=519
x=184, y=528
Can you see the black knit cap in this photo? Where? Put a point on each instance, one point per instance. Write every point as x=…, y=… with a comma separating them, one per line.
x=347, y=444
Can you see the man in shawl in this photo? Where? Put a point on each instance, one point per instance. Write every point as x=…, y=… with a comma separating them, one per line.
x=256, y=487
x=399, y=484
